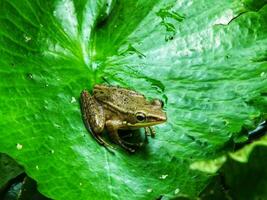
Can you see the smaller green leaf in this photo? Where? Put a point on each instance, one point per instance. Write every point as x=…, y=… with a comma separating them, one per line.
x=9, y=169
x=241, y=180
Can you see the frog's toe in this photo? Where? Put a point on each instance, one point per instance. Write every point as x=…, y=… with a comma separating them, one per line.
x=141, y=144
x=127, y=136
x=123, y=145
x=131, y=150
x=133, y=144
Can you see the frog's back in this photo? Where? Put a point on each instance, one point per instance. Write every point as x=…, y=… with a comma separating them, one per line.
x=117, y=96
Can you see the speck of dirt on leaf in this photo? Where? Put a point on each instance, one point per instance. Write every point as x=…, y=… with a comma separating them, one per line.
x=73, y=100
x=27, y=38
x=176, y=191
x=149, y=190
x=163, y=176
x=57, y=125
x=19, y=146
x=29, y=76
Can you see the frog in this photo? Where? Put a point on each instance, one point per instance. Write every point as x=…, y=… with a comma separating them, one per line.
x=114, y=108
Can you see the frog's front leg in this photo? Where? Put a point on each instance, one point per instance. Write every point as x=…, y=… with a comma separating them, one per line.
x=112, y=127
x=149, y=131
x=93, y=117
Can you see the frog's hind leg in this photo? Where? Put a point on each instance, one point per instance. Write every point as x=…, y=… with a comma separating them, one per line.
x=93, y=117
x=101, y=141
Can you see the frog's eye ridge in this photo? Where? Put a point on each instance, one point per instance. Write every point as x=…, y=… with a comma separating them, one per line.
x=158, y=102
x=140, y=116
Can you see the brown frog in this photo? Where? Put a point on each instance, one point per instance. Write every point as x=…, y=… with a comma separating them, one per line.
x=114, y=108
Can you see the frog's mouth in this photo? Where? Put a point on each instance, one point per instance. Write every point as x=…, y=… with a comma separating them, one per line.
x=144, y=124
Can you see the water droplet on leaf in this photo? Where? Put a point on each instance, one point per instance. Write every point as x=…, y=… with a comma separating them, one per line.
x=19, y=146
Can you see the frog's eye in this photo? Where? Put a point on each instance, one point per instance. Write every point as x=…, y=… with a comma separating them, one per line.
x=158, y=102
x=140, y=116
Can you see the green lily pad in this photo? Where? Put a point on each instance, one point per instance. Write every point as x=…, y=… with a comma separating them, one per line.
x=205, y=59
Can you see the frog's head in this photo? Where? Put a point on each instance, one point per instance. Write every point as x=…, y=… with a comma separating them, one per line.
x=149, y=114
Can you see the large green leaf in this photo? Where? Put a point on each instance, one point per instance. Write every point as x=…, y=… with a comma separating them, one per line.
x=206, y=59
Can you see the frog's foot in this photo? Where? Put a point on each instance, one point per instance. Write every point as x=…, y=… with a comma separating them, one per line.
x=123, y=145
x=139, y=144
x=102, y=142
